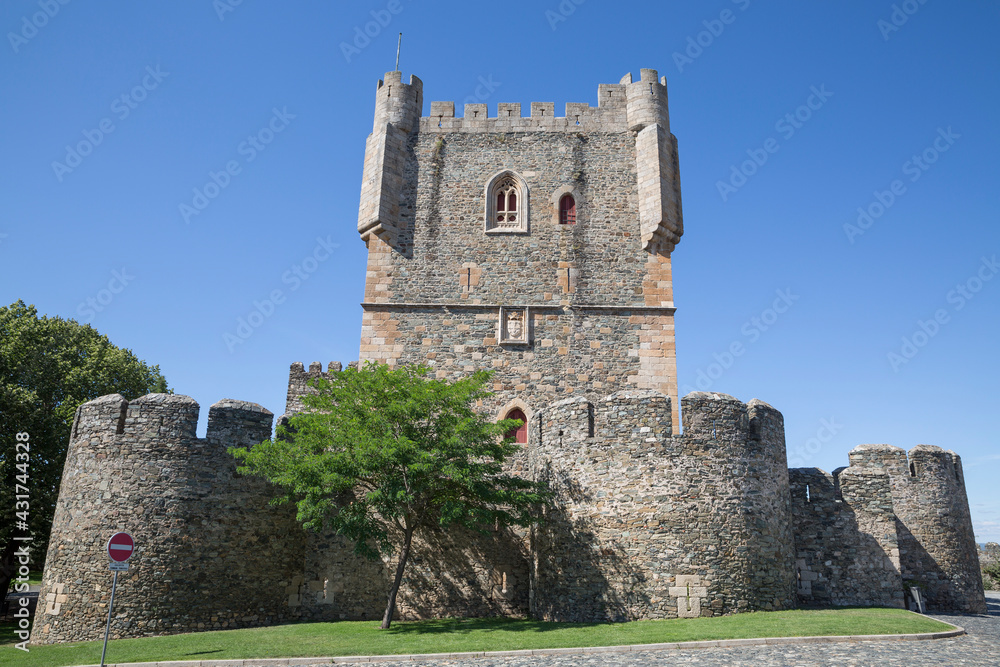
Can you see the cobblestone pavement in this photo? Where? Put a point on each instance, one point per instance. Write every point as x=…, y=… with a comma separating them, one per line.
x=979, y=648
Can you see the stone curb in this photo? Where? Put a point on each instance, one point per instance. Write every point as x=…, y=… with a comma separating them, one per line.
x=626, y=648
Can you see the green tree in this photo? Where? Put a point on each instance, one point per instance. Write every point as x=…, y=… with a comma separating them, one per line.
x=386, y=453
x=48, y=367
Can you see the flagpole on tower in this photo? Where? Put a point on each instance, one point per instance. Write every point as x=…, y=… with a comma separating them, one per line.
x=398, y=44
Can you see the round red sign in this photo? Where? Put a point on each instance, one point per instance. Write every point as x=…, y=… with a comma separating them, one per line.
x=120, y=547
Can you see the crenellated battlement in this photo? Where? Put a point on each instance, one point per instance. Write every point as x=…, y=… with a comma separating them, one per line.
x=166, y=419
x=644, y=523
x=168, y=416
x=624, y=106
x=924, y=462
x=137, y=466
x=638, y=109
x=644, y=416
x=299, y=380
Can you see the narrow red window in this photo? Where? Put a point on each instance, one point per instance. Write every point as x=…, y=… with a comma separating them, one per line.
x=567, y=210
x=520, y=434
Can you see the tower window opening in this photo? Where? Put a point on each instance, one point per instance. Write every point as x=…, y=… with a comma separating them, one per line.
x=506, y=204
x=567, y=210
x=519, y=433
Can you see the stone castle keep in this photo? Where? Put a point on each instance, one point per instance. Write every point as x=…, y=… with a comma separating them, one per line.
x=538, y=246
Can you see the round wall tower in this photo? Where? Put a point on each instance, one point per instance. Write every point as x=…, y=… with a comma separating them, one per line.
x=645, y=524
x=210, y=552
x=936, y=541
x=741, y=450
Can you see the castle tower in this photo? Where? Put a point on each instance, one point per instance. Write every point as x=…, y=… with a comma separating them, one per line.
x=538, y=246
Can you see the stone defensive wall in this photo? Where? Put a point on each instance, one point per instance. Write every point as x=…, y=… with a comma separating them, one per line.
x=847, y=547
x=650, y=524
x=209, y=549
x=890, y=521
x=644, y=523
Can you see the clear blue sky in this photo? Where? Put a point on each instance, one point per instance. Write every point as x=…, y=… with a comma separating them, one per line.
x=198, y=80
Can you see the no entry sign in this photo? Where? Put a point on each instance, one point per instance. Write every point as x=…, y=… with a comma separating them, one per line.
x=120, y=547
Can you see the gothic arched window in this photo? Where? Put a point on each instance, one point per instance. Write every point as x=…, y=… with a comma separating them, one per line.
x=507, y=204
x=506, y=211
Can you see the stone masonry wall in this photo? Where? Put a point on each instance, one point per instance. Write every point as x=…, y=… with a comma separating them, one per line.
x=210, y=552
x=453, y=573
x=644, y=524
x=648, y=524
x=598, y=293
x=846, y=546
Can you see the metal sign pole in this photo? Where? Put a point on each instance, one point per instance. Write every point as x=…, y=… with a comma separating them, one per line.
x=111, y=604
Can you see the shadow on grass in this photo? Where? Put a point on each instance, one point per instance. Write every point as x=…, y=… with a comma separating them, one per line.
x=7, y=635
x=470, y=625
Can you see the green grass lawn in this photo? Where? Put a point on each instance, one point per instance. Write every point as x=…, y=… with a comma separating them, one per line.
x=34, y=579
x=456, y=635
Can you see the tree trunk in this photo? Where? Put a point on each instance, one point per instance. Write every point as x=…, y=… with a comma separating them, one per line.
x=404, y=554
x=8, y=566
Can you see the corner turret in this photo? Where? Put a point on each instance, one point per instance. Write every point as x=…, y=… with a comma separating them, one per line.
x=398, y=104
x=397, y=113
x=647, y=101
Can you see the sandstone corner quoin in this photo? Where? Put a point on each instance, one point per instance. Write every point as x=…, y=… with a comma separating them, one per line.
x=538, y=246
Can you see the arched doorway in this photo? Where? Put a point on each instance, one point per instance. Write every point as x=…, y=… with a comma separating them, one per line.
x=520, y=434
x=567, y=210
